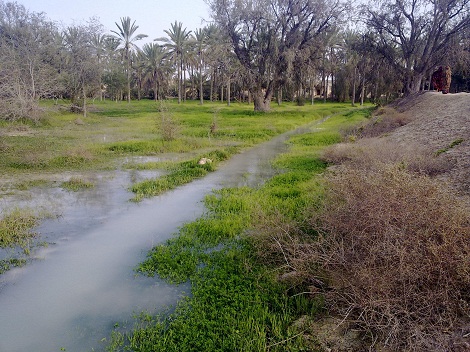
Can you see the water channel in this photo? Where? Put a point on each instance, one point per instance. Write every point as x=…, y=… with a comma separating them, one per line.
x=74, y=291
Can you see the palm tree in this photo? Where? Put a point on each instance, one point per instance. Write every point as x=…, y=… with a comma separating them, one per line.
x=176, y=43
x=127, y=40
x=155, y=56
x=200, y=35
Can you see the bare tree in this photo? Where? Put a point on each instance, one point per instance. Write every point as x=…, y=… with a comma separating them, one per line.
x=29, y=62
x=82, y=66
x=415, y=35
x=268, y=35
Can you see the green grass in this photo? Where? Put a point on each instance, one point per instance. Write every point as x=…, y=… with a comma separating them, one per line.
x=113, y=130
x=180, y=173
x=236, y=302
x=76, y=184
x=15, y=228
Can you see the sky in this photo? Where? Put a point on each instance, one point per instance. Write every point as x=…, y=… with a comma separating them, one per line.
x=152, y=16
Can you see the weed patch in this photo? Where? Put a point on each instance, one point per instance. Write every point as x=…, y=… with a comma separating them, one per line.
x=388, y=238
x=76, y=184
x=8, y=264
x=451, y=145
x=15, y=228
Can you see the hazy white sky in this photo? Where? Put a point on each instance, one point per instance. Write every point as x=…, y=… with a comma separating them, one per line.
x=152, y=16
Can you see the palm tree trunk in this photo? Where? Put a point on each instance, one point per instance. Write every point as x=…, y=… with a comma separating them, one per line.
x=201, y=93
x=184, y=82
x=128, y=79
x=228, y=91
x=179, y=82
x=353, y=99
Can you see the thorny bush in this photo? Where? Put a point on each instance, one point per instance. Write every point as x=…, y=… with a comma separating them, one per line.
x=395, y=249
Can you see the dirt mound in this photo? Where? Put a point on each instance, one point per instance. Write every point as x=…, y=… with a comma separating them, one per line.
x=440, y=123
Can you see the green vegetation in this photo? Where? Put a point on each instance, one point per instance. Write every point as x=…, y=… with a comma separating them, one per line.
x=451, y=145
x=180, y=173
x=111, y=130
x=237, y=301
x=33, y=150
x=76, y=184
x=15, y=228
x=7, y=264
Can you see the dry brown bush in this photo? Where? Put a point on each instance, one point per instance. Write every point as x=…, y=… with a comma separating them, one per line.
x=370, y=153
x=396, y=250
x=384, y=121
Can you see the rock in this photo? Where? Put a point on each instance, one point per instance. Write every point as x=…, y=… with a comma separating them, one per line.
x=204, y=161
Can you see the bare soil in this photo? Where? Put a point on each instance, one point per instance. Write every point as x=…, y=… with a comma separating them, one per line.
x=436, y=122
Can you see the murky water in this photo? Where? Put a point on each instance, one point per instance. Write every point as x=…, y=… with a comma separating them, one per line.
x=79, y=287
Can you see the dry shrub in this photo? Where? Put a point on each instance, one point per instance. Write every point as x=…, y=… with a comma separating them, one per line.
x=370, y=153
x=80, y=153
x=167, y=125
x=14, y=109
x=384, y=121
x=396, y=250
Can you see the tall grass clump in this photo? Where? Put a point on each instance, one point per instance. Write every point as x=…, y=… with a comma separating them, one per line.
x=370, y=153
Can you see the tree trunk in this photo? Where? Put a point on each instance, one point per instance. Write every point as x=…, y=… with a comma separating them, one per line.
x=353, y=99
x=413, y=83
x=363, y=92
x=201, y=93
x=228, y=91
x=179, y=82
x=128, y=59
x=212, y=85
x=325, y=92
x=262, y=99
x=184, y=83
x=312, y=90
x=84, y=101
x=155, y=90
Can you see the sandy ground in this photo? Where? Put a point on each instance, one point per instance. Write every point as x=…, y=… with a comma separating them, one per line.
x=437, y=120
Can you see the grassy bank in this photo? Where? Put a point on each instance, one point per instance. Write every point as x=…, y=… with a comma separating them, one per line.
x=237, y=302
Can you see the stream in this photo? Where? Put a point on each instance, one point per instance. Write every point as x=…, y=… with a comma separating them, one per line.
x=76, y=289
